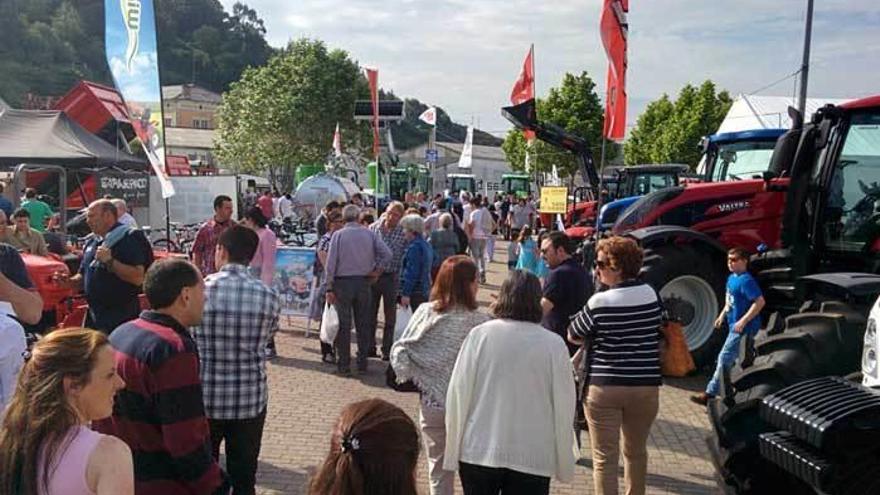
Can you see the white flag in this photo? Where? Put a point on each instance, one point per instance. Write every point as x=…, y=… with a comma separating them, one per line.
x=337, y=142
x=429, y=116
x=464, y=161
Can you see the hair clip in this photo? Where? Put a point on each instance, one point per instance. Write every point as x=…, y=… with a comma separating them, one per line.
x=350, y=444
x=26, y=356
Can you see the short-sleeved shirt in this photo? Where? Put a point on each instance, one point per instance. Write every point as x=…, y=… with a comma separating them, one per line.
x=103, y=288
x=267, y=205
x=39, y=212
x=568, y=287
x=206, y=242
x=13, y=267
x=742, y=290
x=521, y=215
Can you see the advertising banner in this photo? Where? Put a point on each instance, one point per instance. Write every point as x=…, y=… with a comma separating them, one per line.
x=554, y=199
x=133, y=188
x=130, y=40
x=294, y=279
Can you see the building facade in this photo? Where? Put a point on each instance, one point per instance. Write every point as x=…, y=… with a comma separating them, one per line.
x=488, y=164
x=190, y=114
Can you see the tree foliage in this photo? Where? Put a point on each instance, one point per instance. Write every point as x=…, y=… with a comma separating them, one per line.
x=47, y=46
x=670, y=132
x=575, y=107
x=284, y=113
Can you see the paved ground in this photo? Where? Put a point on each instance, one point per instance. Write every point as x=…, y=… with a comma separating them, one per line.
x=305, y=400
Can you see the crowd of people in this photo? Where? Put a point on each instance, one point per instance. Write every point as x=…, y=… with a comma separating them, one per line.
x=142, y=401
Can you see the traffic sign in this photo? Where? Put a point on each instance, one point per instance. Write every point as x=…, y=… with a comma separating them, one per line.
x=431, y=156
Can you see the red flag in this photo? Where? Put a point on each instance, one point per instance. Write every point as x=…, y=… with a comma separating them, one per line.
x=373, y=78
x=524, y=87
x=613, y=26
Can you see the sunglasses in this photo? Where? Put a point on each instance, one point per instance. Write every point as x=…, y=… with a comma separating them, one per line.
x=603, y=264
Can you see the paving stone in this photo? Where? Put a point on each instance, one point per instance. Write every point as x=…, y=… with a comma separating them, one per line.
x=305, y=399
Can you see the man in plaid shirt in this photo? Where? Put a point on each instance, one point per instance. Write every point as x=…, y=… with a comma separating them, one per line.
x=386, y=288
x=241, y=314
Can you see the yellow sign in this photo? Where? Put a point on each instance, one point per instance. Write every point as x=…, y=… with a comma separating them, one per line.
x=554, y=199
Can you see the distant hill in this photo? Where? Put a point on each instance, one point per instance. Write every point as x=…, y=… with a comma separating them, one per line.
x=47, y=46
x=412, y=132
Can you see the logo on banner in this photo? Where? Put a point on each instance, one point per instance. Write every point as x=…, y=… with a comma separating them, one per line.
x=131, y=14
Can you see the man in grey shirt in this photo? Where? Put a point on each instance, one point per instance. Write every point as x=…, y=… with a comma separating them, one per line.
x=355, y=259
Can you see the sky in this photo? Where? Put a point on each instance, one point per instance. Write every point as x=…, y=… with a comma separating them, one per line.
x=464, y=55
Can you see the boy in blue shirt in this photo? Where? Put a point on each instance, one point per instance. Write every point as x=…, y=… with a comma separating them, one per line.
x=743, y=306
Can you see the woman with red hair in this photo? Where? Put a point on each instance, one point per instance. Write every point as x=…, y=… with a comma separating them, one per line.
x=427, y=350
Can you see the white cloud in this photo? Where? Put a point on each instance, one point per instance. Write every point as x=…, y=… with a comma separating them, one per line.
x=464, y=55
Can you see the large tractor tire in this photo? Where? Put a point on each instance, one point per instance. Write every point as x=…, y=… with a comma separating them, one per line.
x=822, y=341
x=691, y=285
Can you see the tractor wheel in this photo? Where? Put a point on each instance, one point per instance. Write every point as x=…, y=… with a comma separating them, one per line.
x=817, y=343
x=691, y=285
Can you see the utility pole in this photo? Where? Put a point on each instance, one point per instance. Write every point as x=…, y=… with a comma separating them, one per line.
x=805, y=65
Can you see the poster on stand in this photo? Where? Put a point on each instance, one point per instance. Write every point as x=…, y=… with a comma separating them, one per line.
x=294, y=277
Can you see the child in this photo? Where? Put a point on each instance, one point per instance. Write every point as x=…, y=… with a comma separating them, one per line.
x=744, y=303
x=541, y=268
x=528, y=251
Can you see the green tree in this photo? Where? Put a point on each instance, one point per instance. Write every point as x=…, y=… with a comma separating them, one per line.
x=669, y=132
x=575, y=107
x=284, y=113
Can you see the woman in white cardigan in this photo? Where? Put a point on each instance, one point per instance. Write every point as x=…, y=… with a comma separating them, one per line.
x=511, y=398
x=427, y=350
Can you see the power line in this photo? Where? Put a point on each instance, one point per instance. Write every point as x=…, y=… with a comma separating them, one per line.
x=774, y=83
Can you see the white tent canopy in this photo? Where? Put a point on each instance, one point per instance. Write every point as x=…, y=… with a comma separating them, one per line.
x=750, y=112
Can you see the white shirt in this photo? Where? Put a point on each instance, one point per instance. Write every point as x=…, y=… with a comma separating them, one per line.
x=12, y=348
x=479, y=221
x=276, y=202
x=127, y=219
x=285, y=207
x=467, y=208
x=510, y=402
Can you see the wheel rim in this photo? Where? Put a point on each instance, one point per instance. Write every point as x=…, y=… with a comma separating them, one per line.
x=693, y=299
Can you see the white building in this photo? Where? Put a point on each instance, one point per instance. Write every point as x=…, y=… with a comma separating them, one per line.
x=489, y=163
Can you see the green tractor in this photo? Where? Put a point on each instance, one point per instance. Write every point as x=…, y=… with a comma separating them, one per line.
x=517, y=184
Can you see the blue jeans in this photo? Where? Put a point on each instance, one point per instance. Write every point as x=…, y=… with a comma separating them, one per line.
x=726, y=358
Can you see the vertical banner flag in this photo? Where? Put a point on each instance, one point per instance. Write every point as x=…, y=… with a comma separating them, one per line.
x=337, y=142
x=130, y=39
x=614, y=28
x=524, y=87
x=466, y=158
x=373, y=79
x=429, y=116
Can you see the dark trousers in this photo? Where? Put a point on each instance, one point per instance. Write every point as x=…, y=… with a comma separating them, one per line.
x=243, y=438
x=385, y=288
x=481, y=480
x=352, y=304
x=417, y=300
x=106, y=319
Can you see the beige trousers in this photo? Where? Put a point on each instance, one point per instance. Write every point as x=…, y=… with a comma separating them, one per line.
x=432, y=422
x=611, y=410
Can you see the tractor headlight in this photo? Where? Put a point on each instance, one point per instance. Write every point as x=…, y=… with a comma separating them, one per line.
x=869, y=352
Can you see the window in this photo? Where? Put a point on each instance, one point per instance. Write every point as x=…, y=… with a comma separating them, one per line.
x=741, y=161
x=168, y=122
x=853, y=204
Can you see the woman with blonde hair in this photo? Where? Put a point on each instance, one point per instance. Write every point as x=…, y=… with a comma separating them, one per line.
x=374, y=450
x=46, y=446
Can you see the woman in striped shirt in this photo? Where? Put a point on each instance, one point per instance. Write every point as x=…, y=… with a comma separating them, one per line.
x=622, y=325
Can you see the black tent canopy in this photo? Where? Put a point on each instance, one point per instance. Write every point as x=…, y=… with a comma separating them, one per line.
x=51, y=137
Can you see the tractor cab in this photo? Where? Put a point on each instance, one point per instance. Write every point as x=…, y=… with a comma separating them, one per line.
x=638, y=180
x=519, y=185
x=462, y=182
x=832, y=219
x=737, y=155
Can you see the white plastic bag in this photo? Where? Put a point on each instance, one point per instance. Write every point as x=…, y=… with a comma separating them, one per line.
x=329, y=324
x=403, y=317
